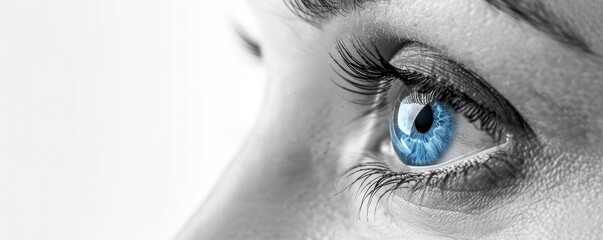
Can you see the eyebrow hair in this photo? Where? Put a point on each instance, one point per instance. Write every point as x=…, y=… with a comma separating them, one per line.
x=532, y=12
x=250, y=44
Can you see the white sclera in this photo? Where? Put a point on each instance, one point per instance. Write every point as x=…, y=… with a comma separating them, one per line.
x=468, y=141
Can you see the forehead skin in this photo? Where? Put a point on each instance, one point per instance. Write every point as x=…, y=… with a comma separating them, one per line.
x=283, y=183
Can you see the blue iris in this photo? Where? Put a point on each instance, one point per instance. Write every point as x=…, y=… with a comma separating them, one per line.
x=421, y=133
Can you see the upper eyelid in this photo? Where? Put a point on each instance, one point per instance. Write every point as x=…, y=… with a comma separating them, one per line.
x=368, y=65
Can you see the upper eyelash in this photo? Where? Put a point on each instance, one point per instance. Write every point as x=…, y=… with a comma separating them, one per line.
x=369, y=73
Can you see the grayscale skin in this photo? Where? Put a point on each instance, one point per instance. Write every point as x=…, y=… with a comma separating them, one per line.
x=283, y=184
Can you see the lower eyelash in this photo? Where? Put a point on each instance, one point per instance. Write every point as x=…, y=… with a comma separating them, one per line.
x=377, y=181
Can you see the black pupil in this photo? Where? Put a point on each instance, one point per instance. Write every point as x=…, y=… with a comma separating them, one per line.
x=424, y=119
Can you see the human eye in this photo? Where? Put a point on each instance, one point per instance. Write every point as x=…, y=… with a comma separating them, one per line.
x=447, y=132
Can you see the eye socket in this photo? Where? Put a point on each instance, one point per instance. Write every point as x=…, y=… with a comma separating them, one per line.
x=486, y=149
x=428, y=134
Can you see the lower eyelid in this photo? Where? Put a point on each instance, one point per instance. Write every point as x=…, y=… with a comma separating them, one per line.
x=488, y=175
x=476, y=156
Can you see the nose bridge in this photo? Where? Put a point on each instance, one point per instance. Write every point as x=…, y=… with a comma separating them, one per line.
x=273, y=187
x=284, y=177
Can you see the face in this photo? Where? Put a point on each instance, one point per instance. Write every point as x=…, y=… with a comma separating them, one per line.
x=420, y=119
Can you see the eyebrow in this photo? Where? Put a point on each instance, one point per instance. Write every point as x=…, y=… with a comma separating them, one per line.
x=533, y=12
x=250, y=44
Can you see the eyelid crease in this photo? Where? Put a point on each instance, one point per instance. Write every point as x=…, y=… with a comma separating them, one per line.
x=315, y=11
x=532, y=12
x=536, y=14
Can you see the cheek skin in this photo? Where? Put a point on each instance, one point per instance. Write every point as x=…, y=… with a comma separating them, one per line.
x=566, y=198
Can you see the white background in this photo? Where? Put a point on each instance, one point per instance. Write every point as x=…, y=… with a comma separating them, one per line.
x=117, y=116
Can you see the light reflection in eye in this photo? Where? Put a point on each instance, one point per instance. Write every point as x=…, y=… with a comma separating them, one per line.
x=421, y=133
